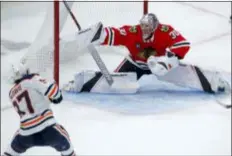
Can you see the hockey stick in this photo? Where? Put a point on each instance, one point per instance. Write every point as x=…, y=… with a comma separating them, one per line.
x=227, y=106
x=92, y=49
x=72, y=15
x=223, y=100
x=101, y=64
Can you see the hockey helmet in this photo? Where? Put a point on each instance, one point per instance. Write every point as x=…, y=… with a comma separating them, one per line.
x=18, y=71
x=148, y=23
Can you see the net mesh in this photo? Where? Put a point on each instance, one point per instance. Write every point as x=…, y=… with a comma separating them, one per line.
x=40, y=55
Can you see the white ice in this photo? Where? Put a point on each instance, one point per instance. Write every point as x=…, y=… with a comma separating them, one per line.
x=201, y=130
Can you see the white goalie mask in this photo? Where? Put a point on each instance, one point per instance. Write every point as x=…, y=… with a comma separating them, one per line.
x=17, y=72
x=148, y=24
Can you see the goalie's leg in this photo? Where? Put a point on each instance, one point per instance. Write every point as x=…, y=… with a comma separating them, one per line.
x=195, y=77
x=92, y=81
x=128, y=66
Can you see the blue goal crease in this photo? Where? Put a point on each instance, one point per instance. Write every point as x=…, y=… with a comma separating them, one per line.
x=157, y=98
x=142, y=103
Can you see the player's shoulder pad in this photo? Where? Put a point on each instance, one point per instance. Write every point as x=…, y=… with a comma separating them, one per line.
x=38, y=82
x=27, y=77
x=27, y=81
x=165, y=28
x=133, y=29
x=128, y=29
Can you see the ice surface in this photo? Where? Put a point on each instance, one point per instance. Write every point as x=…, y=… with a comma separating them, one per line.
x=179, y=122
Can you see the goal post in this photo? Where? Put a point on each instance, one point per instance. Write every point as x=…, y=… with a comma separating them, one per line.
x=47, y=52
x=56, y=41
x=145, y=7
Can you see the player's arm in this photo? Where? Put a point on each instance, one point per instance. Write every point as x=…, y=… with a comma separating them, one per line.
x=49, y=89
x=177, y=47
x=116, y=36
x=177, y=43
x=99, y=35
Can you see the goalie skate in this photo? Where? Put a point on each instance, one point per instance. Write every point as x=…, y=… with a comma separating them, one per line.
x=222, y=90
x=220, y=85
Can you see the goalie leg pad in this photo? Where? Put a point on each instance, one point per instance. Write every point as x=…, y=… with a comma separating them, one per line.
x=91, y=81
x=81, y=82
x=123, y=83
x=197, y=78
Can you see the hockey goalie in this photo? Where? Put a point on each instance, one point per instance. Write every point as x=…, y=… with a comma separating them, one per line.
x=154, y=48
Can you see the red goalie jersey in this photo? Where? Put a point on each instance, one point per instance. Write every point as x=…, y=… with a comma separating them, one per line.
x=163, y=37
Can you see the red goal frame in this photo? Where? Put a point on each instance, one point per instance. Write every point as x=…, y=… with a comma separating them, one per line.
x=56, y=67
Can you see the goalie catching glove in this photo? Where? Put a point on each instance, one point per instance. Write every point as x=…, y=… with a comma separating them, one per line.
x=160, y=66
x=93, y=35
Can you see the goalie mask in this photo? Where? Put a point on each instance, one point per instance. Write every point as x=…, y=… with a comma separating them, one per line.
x=148, y=24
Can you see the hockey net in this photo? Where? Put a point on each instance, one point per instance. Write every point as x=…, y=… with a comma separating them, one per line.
x=52, y=57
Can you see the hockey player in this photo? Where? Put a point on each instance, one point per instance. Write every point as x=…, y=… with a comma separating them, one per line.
x=154, y=48
x=31, y=97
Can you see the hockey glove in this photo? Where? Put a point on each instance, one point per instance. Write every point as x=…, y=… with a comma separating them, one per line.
x=160, y=66
x=58, y=100
x=53, y=93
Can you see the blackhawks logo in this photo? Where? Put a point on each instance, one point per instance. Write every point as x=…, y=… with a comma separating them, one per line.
x=164, y=28
x=146, y=52
x=133, y=29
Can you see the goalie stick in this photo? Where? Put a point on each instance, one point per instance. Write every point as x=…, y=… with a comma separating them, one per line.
x=225, y=105
x=92, y=49
x=223, y=100
x=101, y=64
